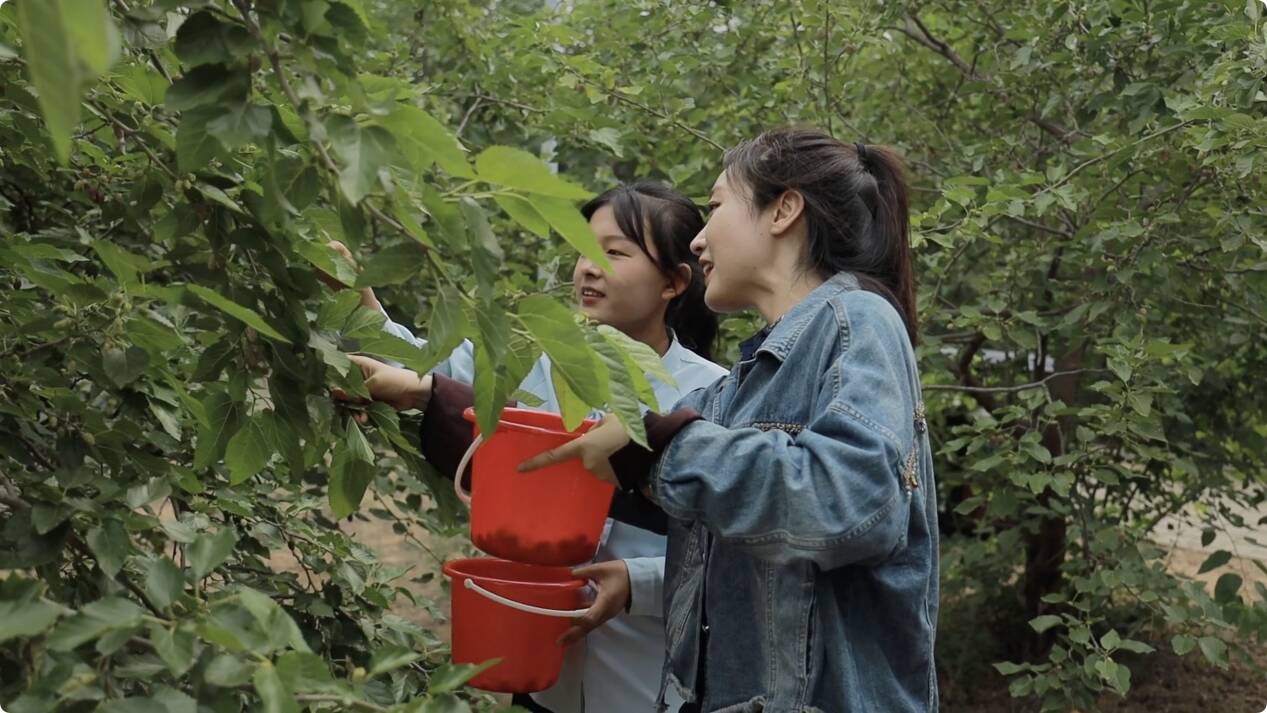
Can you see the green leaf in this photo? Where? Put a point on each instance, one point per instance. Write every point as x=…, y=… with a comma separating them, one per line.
x=518, y=169
x=642, y=354
x=204, y=39
x=164, y=582
x=248, y=450
x=524, y=214
x=393, y=265
x=195, y=146
x=143, y=83
x=221, y=415
x=1182, y=644
x=492, y=338
x=1226, y=587
x=450, y=677
x=228, y=671
x=177, y=647
x=111, y=546
x=92, y=33
x=94, y=620
x=425, y=141
x=210, y=551
x=274, y=694
x=572, y=408
x=1045, y=622
x=124, y=264
x=240, y=123
x=49, y=51
x=207, y=86
x=391, y=658
x=124, y=366
x=304, y=671
x=237, y=311
x=1214, y=561
x=364, y=153
x=553, y=326
x=351, y=472
x=608, y=137
x=24, y=619
x=563, y=216
x=1214, y=650
x=624, y=400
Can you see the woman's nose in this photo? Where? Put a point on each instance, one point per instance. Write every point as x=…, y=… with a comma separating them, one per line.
x=587, y=267
x=698, y=243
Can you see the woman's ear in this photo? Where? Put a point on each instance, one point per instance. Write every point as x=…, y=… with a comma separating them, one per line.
x=787, y=209
x=677, y=282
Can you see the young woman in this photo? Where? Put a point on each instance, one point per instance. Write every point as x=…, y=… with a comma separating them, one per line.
x=653, y=293
x=802, y=561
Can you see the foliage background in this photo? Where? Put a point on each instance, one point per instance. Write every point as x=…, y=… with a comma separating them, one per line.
x=1090, y=232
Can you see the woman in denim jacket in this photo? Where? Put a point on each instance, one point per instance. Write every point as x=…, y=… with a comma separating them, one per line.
x=802, y=556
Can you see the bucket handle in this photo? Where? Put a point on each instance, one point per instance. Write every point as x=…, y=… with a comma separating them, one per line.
x=458, y=490
x=561, y=613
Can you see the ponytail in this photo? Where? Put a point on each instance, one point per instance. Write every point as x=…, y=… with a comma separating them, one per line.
x=857, y=208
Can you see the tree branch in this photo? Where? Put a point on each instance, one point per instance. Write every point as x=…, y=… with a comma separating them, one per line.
x=1010, y=389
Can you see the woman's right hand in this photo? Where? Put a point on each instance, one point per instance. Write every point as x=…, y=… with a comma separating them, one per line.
x=402, y=389
x=368, y=298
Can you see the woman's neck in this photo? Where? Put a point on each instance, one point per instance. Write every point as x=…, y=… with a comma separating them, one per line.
x=785, y=292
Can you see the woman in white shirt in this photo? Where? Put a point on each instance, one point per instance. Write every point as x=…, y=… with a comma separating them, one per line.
x=653, y=293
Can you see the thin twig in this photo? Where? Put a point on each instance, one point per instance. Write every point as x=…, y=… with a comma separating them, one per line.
x=1009, y=389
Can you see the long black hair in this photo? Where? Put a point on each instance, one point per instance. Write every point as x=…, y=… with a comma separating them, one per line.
x=650, y=209
x=856, y=206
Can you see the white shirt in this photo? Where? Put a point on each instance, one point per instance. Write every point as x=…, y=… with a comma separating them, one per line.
x=617, y=669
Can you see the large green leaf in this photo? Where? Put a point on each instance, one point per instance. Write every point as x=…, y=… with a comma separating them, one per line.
x=23, y=619
x=424, y=141
x=204, y=39
x=563, y=216
x=624, y=396
x=237, y=311
x=111, y=545
x=554, y=327
x=240, y=123
x=164, y=582
x=518, y=169
x=53, y=63
x=364, y=152
x=211, y=550
x=248, y=450
x=351, y=471
x=393, y=265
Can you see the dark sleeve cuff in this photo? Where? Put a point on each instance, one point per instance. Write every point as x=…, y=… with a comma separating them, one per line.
x=633, y=463
x=445, y=435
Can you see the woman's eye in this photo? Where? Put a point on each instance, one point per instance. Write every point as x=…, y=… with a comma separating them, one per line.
x=616, y=253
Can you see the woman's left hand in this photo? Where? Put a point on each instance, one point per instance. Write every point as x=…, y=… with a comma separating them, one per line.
x=594, y=449
x=612, y=581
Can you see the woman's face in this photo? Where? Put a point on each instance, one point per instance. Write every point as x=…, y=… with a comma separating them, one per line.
x=733, y=247
x=634, y=293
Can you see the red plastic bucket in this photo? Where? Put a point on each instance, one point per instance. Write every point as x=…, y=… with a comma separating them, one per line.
x=513, y=612
x=553, y=516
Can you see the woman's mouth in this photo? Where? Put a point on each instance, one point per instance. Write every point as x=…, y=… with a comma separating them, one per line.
x=707, y=269
x=589, y=295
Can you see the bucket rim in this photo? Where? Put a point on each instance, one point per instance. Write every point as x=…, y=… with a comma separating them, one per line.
x=504, y=425
x=452, y=569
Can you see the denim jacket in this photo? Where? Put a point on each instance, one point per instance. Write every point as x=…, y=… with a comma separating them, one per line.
x=801, y=571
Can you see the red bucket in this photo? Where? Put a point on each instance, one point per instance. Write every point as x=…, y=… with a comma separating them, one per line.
x=553, y=516
x=513, y=612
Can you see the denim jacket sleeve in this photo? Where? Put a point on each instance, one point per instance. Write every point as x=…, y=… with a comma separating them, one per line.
x=832, y=493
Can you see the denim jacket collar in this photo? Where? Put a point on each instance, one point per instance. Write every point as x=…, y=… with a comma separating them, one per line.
x=780, y=338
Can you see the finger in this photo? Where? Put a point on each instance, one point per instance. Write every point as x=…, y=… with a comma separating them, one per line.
x=572, y=635
x=361, y=417
x=567, y=451
x=589, y=571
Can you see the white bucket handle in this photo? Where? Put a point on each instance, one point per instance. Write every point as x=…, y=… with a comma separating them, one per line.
x=462, y=494
x=561, y=613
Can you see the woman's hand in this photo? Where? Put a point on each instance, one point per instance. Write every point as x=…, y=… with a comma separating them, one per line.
x=594, y=449
x=612, y=581
x=368, y=298
x=402, y=389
